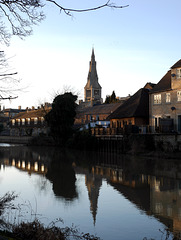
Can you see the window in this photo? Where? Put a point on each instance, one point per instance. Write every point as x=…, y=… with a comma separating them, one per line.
x=157, y=122
x=178, y=73
x=42, y=120
x=23, y=121
x=18, y=120
x=13, y=122
x=96, y=92
x=157, y=99
x=35, y=120
x=88, y=93
x=130, y=122
x=167, y=97
x=28, y=121
x=179, y=96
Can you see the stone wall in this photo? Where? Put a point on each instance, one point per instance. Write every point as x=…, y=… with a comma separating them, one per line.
x=16, y=140
x=140, y=143
x=167, y=142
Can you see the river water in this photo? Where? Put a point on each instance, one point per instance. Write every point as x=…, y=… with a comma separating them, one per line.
x=113, y=196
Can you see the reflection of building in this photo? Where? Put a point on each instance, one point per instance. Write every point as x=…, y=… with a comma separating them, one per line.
x=134, y=188
x=25, y=165
x=166, y=201
x=157, y=196
x=93, y=184
x=136, y=179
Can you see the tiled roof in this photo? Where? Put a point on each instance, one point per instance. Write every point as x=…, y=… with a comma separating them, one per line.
x=101, y=109
x=177, y=64
x=13, y=110
x=164, y=84
x=135, y=106
x=149, y=85
x=32, y=113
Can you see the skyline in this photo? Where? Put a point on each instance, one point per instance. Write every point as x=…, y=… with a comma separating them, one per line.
x=132, y=46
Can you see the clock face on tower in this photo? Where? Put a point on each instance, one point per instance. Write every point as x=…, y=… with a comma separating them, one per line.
x=96, y=92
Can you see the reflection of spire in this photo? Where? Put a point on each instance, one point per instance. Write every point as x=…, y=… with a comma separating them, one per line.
x=93, y=184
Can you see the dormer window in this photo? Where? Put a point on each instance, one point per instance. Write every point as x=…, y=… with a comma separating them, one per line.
x=178, y=72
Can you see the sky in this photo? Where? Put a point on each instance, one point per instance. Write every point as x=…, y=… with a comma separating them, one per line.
x=132, y=45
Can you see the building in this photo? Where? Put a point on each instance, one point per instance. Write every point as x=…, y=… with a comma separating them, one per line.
x=6, y=114
x=133, y=112
x=96, y=115
x=165, y=102
x=30, y=123
x=92, y=89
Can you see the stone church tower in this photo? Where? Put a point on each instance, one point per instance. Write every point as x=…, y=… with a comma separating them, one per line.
x=92, y=90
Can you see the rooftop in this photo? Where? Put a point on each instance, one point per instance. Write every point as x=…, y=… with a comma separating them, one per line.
x=135, y=106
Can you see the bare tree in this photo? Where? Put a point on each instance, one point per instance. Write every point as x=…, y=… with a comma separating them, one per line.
x=8, y=82
x=18, y=16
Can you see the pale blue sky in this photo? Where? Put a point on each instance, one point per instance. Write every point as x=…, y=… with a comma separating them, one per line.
x=133, y=46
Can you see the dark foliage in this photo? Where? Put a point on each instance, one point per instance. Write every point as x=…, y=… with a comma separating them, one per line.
x=37, y=231
x=61, y=118
x=111, y=99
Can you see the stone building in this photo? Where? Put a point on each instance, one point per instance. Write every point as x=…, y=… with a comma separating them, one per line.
x=31, y=122
x=165, y=102
x=97, y=114
x=133, y=112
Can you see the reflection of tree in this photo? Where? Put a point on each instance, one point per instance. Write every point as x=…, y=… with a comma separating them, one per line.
x=60, y=171
x=62, y=176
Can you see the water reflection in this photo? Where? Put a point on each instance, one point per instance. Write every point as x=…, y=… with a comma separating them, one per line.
x=62, y=175
x=152, y=185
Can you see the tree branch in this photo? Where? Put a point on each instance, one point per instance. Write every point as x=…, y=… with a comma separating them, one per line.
x=7, y=74
x=69, y=10
x=7, y=98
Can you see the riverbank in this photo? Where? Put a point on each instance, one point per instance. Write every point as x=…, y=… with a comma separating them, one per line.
x=27, y=140
x=135, y=144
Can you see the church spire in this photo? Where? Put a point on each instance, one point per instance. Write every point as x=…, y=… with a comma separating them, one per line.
x=92, y=90
x=92, y=79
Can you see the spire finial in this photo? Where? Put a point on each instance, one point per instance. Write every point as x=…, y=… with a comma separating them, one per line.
x=93, y=55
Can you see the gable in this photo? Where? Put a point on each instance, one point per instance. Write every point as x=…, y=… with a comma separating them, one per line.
x=135, y=106
x=164, y=84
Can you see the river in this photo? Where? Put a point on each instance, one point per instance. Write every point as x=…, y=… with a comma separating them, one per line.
x=110, y=195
